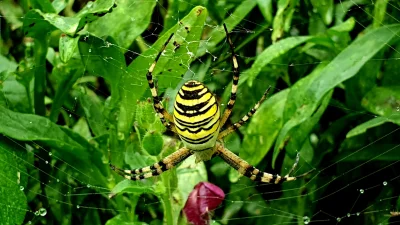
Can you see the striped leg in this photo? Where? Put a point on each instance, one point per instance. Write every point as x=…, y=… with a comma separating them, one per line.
x=245, y=118
x=235, y=81
x=250, y=171
x=155, y=169
x=162, y=113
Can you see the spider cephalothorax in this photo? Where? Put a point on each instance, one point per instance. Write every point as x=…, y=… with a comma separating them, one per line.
x=197, y=120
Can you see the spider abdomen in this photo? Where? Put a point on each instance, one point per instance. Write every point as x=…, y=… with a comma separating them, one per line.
x=196, y=116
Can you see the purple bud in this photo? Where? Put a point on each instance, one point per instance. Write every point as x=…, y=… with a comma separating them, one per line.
x=204, y=198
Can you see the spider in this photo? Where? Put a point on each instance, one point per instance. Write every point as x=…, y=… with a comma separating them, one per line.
x=197, y=120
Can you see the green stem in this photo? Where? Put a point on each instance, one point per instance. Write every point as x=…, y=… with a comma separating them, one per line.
x=167, y=203
x=40, y=50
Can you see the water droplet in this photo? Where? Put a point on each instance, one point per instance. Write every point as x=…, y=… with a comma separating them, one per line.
x=75, y=98
x=384, y=183
x=58, y=180
x=338, y=219
x=42, y=211
x=47, y=162
x=348, y=215
x=50, y=154
x=70, y=115
x=29, y=222
x=90, y=50
x=88, y=186
x=306, y=220
x=357, y=213
x=77, y=206
x=362, y=191
x=21, y=188
x=36, y=213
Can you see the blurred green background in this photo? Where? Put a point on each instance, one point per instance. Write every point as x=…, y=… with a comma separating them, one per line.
x=74, y=96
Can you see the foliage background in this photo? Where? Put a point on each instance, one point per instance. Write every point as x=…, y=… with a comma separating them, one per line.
x=74, y=95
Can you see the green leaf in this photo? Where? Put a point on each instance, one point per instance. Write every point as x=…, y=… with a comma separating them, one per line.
x=81, y=127
x=145, y=114
x=120, y=220
x=342, y=8
x=379, y=13
x=73, y=149
x=346, y=26
x=34, y=26
x=37, y=22
x=343, y=67
x=103, y=58
x=7, y=65
x=59, y=5
x=283, y=18
x=68, y=47
x=43, y=5
x=272, y=52
x=292, y=123
x=152, y=142
x=65, y=75
x=96, y=8
x=266, y=9
x=217, y=34
x=12, y=13
x=383, y=101
x=133, y=187
x=316, y=25
x=325, y=9
x=189, y=175
x=126, y=22
x=93, y=10
x=13, y=180
x=298, y=136
x=136, y=160
x=93, y=108
x=363, y=82
x=15, y=94
x=362, y=128
x=263, y=128
x=171, y=64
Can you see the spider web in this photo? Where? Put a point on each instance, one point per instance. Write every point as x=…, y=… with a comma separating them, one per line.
x=355, y=182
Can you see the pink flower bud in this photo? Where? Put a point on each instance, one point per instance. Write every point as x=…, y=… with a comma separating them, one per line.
x=204, y=198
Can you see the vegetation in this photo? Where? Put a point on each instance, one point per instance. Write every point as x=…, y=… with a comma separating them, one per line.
x=74, y=97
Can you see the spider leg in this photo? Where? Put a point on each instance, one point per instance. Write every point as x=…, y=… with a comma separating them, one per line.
x=244, y=119
x=250, y=171
x=162, y=113
x=235, y=81
x=155, y=169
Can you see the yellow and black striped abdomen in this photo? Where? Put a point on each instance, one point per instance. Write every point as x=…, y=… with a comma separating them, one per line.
x=196, y=116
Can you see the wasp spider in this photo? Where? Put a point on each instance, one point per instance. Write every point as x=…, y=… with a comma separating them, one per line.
x=197, y=120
